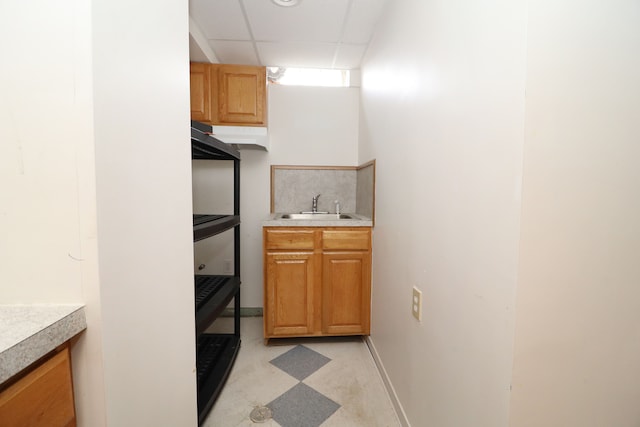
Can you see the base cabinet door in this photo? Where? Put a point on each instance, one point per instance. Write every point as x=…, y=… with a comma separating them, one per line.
x=289, y=293
x=42, y=398
x=346, y=293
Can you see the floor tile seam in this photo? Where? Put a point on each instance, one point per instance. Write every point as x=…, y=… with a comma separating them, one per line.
x=345, y=358
x=314, y=373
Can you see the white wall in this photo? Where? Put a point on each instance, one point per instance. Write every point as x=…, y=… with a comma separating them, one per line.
x=313, y=125
x=577, y=355
x=48, y=249
x=46, y=150
x=307, y=126
x=446, y=82
x=442, y=113
x=143, y=168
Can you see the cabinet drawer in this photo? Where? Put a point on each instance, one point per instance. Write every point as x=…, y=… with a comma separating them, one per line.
x=44, y=397
x=289, y=239
x=346, y=239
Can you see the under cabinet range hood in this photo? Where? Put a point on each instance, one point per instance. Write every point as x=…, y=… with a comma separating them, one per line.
x=241, y=137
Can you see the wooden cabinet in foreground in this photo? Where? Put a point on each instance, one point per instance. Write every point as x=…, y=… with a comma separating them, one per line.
x=317, y=281
x=229, y=95
x=43, y=397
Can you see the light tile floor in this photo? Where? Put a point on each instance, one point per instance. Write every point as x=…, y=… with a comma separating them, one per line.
x=338, y=372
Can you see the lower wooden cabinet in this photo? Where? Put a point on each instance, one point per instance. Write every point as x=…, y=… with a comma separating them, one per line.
x=317, y=281
x=41, y=398
x=346, y=294
x=290, y=285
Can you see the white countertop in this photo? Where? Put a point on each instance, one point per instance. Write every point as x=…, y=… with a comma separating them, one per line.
x=358, y=221
x=28, y=332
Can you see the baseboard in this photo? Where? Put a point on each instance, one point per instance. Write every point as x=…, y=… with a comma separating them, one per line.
x=244, y=312
x=402, y=416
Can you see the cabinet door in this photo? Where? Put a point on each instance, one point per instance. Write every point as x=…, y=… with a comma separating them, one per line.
x=241, y=95
x=346, y=293
x=200, y=92
x=42, y=398
x=289, y=300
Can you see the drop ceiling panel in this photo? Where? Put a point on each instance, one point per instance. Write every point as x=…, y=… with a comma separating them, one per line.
x=311, y=20
x=349, y=56
x=337, y=31
x=361, y=20
x=318, y=55
x=234, y=52
x=220, y=19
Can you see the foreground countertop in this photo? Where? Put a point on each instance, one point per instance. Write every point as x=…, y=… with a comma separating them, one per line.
x=357, y=221
x=28, y=332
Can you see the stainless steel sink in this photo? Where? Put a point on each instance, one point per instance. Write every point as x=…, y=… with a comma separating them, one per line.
x=317, y=216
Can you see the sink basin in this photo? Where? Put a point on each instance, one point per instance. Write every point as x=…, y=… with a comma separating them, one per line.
x=318, y=216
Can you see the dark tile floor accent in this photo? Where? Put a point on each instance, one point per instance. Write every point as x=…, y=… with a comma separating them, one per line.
x=302, y=406
x=300, y=362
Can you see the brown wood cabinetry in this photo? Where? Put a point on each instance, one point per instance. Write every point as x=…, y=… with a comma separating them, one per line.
x=240, y=95
x=200, y=81
x=42, y=397
x=290, y=286
x=229, y=95
x=317, y=281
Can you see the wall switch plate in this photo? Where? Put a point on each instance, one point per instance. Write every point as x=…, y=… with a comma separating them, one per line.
x=416, y=304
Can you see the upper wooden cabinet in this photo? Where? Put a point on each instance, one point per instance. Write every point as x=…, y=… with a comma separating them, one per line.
x=200, y=92
x=229, y=95
x=241, y=95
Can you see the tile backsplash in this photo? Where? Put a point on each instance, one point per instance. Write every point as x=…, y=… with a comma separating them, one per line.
x=293, y=187
x=365, y=189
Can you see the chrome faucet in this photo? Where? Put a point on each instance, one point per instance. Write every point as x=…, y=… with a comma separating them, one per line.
x=314, y=204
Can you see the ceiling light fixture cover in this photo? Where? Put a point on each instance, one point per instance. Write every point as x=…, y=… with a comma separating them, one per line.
x=286, y=3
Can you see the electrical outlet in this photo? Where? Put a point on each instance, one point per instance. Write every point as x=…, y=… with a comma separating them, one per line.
x=227, y=267
x=416, y=304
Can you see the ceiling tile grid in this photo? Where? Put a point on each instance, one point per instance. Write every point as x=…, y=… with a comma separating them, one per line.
x=297, y=54
x=314, y=33
x=310, y=21
x=220, y=19
x=235, y=52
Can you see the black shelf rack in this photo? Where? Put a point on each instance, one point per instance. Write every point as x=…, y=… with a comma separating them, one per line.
x=209, y=225
x=215, y=353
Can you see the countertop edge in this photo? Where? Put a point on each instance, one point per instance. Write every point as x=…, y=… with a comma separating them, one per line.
x=360, y=221
x=19, y=356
